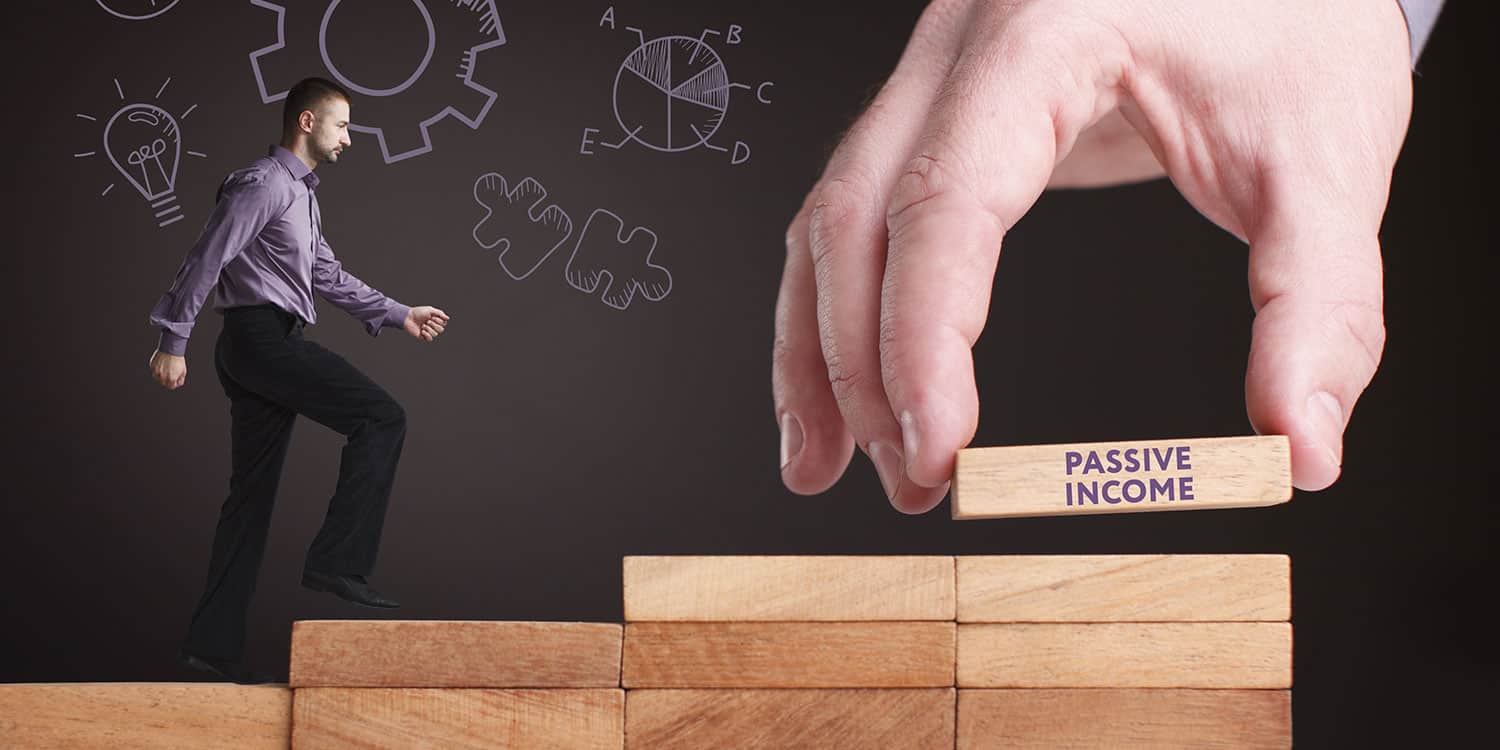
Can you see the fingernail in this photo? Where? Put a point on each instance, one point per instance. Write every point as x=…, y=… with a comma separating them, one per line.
x=911, y=438
x=888, y=465
x=791, y=438
x=1327, y=419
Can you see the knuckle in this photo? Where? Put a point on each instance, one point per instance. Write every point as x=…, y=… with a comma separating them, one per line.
x=843, y=204
x=796, y=231
x=925, y=178
x=846, y=380
x=1365, y=324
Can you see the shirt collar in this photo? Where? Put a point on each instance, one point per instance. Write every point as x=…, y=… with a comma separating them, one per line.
x=295, y=166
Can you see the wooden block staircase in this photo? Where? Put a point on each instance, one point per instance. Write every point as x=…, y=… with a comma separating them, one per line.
x=967, y=653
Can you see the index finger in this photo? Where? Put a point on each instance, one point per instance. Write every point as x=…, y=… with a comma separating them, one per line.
x=1015, y=101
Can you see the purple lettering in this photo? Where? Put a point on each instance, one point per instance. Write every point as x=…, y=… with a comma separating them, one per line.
x=1187, y=488
x=1166, y=487
x=1072, y=459
x=1093, y=463
x=1107, y=498
x=1089, y=492
x=1161, y=457
x=1132, y=463
x=1182, y=461
x=1114, y=460
x=1140, y=488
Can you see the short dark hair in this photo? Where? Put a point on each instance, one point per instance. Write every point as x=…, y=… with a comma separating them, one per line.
x=308, y=94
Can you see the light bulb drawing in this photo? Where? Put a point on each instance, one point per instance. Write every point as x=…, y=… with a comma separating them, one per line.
x=143, y=142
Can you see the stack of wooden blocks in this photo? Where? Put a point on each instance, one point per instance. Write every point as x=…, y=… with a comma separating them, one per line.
x=1124, y=651
x=783, y=652
x=456, y=684
x=972, y=652
x=767, y=652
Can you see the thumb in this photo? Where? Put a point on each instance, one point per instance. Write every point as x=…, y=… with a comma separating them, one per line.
x=1315, y=281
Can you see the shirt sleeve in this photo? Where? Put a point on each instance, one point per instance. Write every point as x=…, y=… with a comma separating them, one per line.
x=245, y=205
x=360, y=300
x=1420, y=17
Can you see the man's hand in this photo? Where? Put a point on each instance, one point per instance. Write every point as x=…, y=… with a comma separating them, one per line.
x=425, y=322
x=1279, y=120
x=168, y=369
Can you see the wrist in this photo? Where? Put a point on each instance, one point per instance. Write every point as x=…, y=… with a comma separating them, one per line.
x=171, y=343
x=397, y=316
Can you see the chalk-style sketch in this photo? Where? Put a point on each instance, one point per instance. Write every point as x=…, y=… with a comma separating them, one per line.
x=143, y=142
x=456, y=33
x=136, y=10
x=672, y=93
x=616, y=264
x=606, y=261
x=520, y=222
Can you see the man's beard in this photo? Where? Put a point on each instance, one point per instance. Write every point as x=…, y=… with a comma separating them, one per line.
x=331, y=155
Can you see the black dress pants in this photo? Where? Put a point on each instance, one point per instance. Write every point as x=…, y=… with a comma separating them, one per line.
x=271, y=374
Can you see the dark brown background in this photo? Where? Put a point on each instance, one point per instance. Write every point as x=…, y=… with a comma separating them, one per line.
x=550, y=435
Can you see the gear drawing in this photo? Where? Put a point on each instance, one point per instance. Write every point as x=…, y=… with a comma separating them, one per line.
x=398, y=116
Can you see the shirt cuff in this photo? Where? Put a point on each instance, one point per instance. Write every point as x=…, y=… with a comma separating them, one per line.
x=396, y=316
x=171, y=343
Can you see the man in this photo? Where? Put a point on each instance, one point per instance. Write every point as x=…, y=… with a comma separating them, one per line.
x=263, y=254
x=1278, y=120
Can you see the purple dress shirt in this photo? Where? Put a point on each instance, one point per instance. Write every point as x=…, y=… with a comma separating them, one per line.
x=1420, y=17
x=264, y=244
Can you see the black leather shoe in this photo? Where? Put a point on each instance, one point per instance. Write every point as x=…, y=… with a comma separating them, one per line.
x=228, y=670
x=350, y=588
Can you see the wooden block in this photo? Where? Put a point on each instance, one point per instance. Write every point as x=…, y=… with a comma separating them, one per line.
x=1115, y=718
x=1126, y=654
x=790, y=719
x=458, y=719
x=1124, y=477
x=131, y=715
x=803, y=589
x=445, y=653
x=1125, y=588
x=788, y=655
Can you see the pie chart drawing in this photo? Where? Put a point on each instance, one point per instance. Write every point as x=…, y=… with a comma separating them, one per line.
x=671, y=93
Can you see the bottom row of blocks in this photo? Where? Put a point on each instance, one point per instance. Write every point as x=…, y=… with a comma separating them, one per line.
x=207, y=716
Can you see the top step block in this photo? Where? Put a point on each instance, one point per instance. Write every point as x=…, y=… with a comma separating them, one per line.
x=789, y=589
x=1122, y=477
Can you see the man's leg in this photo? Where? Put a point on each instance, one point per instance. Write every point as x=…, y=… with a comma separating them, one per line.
x=260, y=432
x=349, y=539
x=327, y=389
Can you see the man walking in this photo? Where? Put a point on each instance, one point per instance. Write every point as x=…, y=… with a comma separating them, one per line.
x=264, y=255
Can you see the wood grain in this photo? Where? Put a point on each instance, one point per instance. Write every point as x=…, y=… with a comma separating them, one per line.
x=1124, y=588
x=458, y=719
x=790, y=719
x=1119, y=718
x=791, y=588
x=1035, y=480
x=157, y=715
x=449, y=653
x=788, y=655
x=1145, y=655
